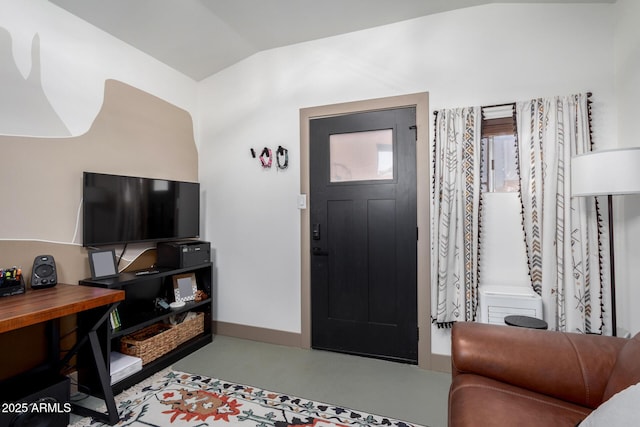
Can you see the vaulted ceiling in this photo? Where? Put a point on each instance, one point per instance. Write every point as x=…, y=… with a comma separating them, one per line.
x=202, y=37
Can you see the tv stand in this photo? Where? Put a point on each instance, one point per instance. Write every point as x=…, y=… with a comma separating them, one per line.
x=138, y=310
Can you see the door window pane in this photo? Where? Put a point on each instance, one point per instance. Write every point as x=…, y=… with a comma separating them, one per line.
x=361, y=156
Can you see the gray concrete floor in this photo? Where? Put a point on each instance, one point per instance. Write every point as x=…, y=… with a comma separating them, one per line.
x=394, y=390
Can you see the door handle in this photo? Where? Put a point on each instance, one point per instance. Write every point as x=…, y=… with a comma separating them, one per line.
x=319, y=252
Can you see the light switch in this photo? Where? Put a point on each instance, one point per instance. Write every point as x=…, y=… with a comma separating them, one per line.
x=302, y=201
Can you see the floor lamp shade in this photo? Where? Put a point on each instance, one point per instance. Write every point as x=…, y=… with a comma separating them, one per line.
x=607, y=173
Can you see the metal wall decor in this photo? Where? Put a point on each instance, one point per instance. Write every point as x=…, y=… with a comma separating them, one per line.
x=266, y=157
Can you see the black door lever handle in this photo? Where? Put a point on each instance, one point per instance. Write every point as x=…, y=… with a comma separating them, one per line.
x=319, y=252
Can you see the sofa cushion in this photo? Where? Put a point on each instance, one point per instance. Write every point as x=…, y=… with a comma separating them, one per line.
x=567, y=366
x=474, y=397
x=620, y=411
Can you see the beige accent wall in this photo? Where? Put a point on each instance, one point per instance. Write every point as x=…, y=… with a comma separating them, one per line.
x=135, y=133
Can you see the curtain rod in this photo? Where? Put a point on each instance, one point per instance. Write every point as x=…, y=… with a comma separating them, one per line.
x=435, y=113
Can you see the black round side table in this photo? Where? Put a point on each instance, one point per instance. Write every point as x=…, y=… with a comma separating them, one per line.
x=525, y=322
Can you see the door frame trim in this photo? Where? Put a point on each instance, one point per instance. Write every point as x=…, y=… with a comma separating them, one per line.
x=421, y=102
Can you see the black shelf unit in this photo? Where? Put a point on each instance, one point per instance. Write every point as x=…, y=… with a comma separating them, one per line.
x=138, y=311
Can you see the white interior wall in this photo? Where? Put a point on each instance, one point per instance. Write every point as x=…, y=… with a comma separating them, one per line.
x=477, y=56
x=627, y=208
x=76, y=58
x=256, y=103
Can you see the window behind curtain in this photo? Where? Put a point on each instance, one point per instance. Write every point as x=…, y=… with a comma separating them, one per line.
x=499, y=171
x=503, y=256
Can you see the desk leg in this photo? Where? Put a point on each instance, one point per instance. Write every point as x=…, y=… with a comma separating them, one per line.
x=112, y=416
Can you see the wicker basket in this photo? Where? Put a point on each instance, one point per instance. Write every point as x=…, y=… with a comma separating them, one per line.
x=189, y=328
x=149, y=343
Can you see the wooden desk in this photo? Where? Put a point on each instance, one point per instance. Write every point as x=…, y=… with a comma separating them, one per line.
x=36, y=306
x=44, y=305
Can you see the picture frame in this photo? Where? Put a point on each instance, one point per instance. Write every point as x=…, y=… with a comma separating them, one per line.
x=184, y=287
x=103, y=264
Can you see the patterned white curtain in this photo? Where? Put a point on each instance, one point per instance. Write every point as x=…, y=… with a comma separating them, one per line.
x=561, y=233
x=456, y=192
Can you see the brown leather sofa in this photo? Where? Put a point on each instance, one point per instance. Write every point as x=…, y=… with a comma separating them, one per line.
x=509, y=376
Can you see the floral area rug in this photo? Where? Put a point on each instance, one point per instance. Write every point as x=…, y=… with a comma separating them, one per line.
x=172, y=398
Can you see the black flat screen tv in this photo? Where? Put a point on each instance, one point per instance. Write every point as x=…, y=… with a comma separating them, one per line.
x=126, y=209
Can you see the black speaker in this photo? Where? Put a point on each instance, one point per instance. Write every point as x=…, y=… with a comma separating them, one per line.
x=47, y=407
x=44, y=273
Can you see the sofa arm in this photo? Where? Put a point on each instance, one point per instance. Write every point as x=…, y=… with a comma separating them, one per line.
x=568, y=366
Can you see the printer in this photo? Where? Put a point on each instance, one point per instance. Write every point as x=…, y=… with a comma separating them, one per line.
x=183, y=254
